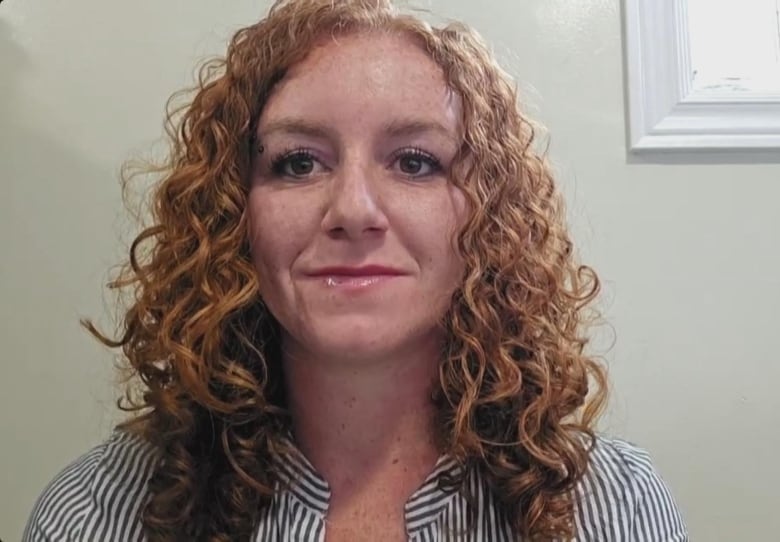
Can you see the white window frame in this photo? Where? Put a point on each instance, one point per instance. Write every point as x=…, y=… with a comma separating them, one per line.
x=664, y=112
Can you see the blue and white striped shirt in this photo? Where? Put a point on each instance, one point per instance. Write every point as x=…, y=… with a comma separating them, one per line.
x=100, y=496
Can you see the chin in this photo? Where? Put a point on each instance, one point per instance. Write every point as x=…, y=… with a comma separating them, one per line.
x=366, y=340
x=360, y=348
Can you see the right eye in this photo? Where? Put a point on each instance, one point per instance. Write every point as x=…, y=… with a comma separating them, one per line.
x=298, y=163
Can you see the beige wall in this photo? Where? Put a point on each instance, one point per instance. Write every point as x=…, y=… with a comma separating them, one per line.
x=688, y=251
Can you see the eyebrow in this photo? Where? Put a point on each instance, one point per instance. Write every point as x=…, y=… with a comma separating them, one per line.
x=296, y=126
x=409, y=127
x=395, y=128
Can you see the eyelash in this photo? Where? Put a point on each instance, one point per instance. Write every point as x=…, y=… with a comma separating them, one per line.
x=279, y=161
x=416, y=152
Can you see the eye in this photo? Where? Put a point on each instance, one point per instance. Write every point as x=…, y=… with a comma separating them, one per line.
x=297, y=163
x=417, y=163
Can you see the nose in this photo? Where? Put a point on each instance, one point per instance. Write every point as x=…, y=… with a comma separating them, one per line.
x=354, y=208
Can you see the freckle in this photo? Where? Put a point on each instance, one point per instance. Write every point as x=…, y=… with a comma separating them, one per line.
x=395, y=461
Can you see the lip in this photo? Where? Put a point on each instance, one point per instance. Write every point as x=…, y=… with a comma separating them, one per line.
x=365, y=271
x=354, y=280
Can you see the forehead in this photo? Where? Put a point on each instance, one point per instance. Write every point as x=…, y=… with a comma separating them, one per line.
x=365, y=76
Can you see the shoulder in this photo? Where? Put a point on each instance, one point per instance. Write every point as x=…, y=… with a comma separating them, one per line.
x=623, y=497
x=98, y=496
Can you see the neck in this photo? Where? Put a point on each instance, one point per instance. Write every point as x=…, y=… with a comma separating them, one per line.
x=356, y=420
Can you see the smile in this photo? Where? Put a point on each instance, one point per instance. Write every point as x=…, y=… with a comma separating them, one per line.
x=354, y=279
x=344, y=280
x=353, y=283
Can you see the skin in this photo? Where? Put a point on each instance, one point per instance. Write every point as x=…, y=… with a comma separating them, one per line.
x=360, y=362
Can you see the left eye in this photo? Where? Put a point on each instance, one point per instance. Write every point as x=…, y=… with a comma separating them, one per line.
x=417, y=163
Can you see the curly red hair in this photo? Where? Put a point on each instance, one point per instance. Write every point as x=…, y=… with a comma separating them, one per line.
x=202, y=351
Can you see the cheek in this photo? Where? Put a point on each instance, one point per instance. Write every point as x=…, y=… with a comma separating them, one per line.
x=453, y=218
x=455, y=265
x=434, y=234
x=269, y=230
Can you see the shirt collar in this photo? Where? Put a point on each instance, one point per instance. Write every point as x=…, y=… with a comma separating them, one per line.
x=426, y=504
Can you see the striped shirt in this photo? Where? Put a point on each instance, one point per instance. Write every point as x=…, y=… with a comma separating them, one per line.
x=101, y=494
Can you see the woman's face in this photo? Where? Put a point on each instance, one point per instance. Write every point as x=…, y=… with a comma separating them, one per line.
x=351, y=211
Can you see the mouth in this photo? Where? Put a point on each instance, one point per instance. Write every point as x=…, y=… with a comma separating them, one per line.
x=355, y=279
x=362, y=281
x=362, y=271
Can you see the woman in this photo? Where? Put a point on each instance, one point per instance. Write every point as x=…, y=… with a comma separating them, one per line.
x=359, y=316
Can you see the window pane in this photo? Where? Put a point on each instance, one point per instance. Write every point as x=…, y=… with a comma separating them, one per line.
x=735, y=45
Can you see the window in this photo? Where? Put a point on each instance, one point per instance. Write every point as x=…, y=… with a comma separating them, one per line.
x=703, y=74
x=735, y=46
